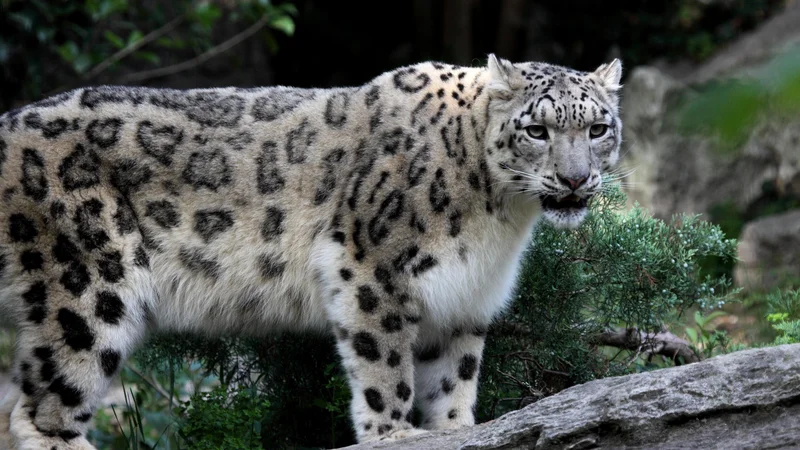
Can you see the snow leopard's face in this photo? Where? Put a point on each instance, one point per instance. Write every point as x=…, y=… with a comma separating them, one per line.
x=552, y=133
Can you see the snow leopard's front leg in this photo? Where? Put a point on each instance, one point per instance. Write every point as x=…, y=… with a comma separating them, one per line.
x=375, y=329
x=447, y=378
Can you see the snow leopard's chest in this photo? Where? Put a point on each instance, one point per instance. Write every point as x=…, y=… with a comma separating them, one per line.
x=476, y=279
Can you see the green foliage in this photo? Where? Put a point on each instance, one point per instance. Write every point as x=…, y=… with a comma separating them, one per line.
x=308, y=398
x=150, y=414
x=618, y=270
x=47, y=46
x=338, y=403
x=704, y=337
x=730, y=109
x=6, y=349
x=224, y=419
x=784, y=315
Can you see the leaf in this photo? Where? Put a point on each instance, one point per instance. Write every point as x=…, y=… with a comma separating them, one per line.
x=692, y=334
x=777, y=317
x=100, y=9
x=714, y=315
x=114, y=39
x=82, y=63
x=44, y=35
x=25, y=21
x=68, y=51
x=171, y=43
x=148, y=56
x=271, y=44
x=698, y=319
x=288, y=8
x=206, y=14
x=283, y=23
x=134, y=37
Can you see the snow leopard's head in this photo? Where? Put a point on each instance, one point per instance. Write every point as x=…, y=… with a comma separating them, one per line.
x=552, y=132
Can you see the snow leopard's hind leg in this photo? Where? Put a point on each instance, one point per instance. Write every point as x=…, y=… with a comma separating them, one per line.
x=81, y=292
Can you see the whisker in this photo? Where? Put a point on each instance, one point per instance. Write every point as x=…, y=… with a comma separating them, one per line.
x=620, y=173
x=531, y=176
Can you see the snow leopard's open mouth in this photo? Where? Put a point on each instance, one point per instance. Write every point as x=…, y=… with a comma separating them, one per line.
x=571, y=201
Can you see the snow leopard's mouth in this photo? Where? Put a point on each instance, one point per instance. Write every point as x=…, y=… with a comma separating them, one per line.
x=572, y=201
x=567, y=212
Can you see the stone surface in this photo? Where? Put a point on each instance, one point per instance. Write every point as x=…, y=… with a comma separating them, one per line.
x=753, y=50
x=744, y=400
x=769, y=251
x=675, y=172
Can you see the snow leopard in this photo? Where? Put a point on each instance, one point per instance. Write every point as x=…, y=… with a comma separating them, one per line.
x=392, y=216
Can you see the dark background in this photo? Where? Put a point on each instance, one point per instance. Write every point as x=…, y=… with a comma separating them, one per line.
x=49, y=46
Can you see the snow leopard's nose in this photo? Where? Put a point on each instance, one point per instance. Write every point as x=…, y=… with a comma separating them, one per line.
x=573, y=182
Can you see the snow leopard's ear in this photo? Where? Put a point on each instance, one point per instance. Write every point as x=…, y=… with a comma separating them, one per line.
x=610, y=74
x=501, y=78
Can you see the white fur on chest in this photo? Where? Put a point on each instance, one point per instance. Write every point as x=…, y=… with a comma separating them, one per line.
x=474, y=289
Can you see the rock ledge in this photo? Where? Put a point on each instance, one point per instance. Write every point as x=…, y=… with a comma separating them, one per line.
x=744, y=400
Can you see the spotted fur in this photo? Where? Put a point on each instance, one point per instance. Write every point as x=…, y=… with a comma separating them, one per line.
x=392, y=215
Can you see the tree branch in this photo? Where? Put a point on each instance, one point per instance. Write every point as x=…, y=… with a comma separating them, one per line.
x=146, y=39
x=199, y=59
x=661, y=343
x=123, y=53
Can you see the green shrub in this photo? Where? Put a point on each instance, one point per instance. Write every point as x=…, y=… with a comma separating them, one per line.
x=224, y=419
x=50, y=46
x=784, y=315
x=618, y=270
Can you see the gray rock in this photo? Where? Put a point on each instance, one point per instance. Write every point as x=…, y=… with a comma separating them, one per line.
x=769, y=251
x=676, y=172
x=744, y=400
x=679, y=172
x=750, y=52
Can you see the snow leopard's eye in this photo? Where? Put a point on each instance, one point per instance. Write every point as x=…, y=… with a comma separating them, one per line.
x=537, y=132
x=598, y=130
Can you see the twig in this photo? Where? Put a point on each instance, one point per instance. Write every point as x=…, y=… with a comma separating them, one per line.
x=155, y=385
x=199, y=59
x=507, y=328
x=522, y=384
x=146, y=39
x=661, y=343
x=123, y=53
